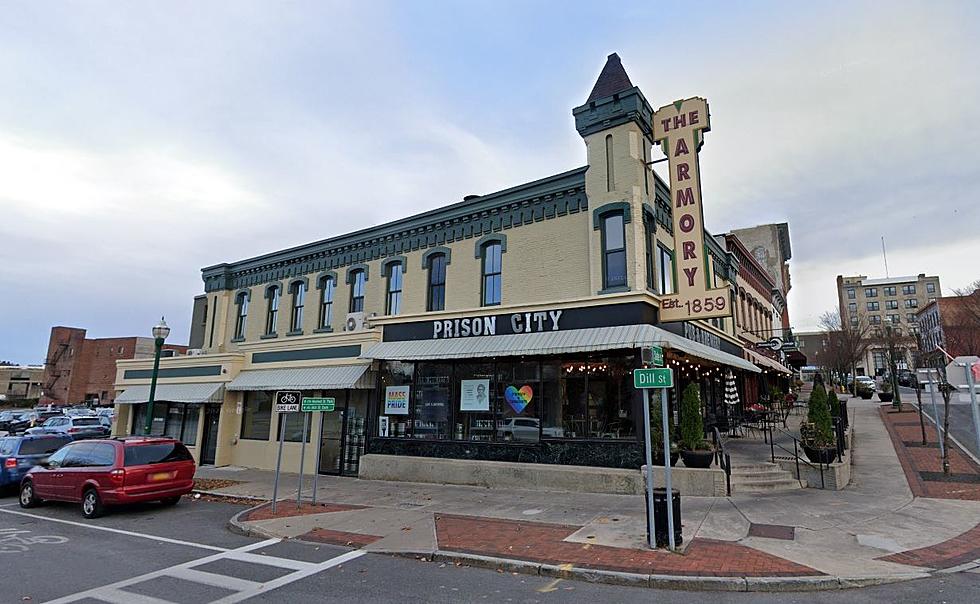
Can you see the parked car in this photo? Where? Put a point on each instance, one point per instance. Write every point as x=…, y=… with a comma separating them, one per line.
x=11, y=417
x=100, y=473
x=521, y=429
x=77, y=427
x=21, y=422
x=18, y=454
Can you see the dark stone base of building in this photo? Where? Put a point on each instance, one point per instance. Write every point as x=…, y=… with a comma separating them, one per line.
x=619, y=454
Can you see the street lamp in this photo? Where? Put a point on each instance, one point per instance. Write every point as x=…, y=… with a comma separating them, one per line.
x=160, y=333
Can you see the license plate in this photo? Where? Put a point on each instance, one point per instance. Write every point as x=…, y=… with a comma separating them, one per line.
x=161, y=476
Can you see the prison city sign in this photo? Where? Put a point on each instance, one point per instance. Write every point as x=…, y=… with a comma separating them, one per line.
x=520, y=322
x=679, y=128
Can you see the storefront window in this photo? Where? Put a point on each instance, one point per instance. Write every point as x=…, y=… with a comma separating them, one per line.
x=476, y=403
x=257, y=415
x=176, y=420
x=395, y=421
x=292, y=423
x=610, y=398
x=433, y=393
x=518, y=385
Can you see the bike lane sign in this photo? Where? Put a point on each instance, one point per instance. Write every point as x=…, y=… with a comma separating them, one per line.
x=288, y=401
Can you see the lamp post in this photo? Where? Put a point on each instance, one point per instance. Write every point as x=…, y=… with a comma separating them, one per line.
x=160, y=333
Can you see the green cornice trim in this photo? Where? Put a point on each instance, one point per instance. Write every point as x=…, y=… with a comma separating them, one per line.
x=320, y=278
x=543, y=199
x=448, y=253
x=358, y=267
x=611, y=111
x=492, y=238
x=393, y=260
x=615, y=206
x=307, y=354
x=173, y=372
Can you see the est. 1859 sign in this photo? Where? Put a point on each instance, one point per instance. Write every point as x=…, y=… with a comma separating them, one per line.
x=679, y=128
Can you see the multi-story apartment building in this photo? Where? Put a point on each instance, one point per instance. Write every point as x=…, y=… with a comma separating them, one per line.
x=770, y=246
x=79, y=369
x=876, y=305
x=21, y=382
x=504, y=326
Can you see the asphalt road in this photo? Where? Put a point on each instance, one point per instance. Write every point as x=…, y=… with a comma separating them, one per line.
x=960, y=418
x=185, y=554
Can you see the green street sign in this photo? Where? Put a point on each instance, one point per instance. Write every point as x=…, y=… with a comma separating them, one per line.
x=657, y=356
x=319, y=404
x=653, y=378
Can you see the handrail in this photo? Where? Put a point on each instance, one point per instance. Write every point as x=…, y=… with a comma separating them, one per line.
x=723, y=458
x=796, y=455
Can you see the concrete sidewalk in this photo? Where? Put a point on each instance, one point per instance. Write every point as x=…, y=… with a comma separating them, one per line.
x=874, y=531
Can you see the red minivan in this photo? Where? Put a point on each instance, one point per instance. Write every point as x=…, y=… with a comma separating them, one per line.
x=98, y=473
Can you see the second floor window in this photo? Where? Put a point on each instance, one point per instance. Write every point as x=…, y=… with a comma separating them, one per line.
x=272, y=314
x=492, y=278
x=613, y=251
x=357, y=284
x=648, y=247
x=298, y=291
x=393, y=303
x=326, y=302
x=665, y=269
x=436, y=295
x=242, y=315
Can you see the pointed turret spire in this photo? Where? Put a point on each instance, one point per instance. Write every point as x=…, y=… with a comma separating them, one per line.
x=613, y=79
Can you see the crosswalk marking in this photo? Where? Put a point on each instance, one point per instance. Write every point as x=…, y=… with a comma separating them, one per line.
x=187, y=571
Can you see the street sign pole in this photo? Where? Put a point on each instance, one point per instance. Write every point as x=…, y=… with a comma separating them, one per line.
x=973, y=402
x=651, y=535
x=302, y=459
x=935, y=415
x=275, y=484
x=319, y=449
x=667, y=469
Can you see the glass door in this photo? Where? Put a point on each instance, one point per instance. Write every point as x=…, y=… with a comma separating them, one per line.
x=331, y=436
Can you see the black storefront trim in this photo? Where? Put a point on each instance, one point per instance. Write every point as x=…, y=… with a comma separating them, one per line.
x=173, y=372
x=307, y=354
x=585, y=452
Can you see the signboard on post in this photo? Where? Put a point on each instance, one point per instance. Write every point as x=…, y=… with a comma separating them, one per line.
x=287, y=401
x=318, y=404
x=645, y=379
x=679, y=128
x=658, y=377
x=654, y=355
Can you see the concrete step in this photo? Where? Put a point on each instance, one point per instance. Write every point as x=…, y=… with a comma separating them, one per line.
x=758, y=474
x=763, y=486
x=761, y=477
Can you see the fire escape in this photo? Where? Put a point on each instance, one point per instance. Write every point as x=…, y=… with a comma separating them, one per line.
x=53, y=371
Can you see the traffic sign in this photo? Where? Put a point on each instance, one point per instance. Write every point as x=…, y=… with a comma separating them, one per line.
x=956, y=371
x=653, y=378
x=318, y=404
x=657, y=356
x=287, y=401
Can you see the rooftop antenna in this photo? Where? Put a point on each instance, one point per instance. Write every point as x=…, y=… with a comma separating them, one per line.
x=884, y=255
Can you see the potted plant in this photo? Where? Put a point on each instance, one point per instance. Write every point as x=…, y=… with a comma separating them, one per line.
x=695, y=450
x=886, y=393
x=834, y=403
x=864, y=390
x=817, y=433
x=657, y=444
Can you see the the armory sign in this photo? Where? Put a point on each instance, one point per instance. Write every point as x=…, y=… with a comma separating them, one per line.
x=679, y=128
x=521, y=322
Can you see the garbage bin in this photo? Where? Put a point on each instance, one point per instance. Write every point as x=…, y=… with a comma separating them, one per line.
x=660, y=518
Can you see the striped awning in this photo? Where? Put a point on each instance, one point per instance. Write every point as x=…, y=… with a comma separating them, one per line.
x=208, y=392
x=336, y=377
x=764, y=361
x=551, y=342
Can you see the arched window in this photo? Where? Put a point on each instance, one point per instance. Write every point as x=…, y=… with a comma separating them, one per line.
x=241, y=301
x=272, y=309
x=357, y=279
x=393, y=298
x=491, y=253
x=613, y=251
x=298, y=291
x=436, y=290
x=326, y=286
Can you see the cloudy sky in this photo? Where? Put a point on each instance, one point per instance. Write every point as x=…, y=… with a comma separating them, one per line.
x=141, y=141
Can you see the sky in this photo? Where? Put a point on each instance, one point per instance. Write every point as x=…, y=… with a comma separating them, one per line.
x=142, y=141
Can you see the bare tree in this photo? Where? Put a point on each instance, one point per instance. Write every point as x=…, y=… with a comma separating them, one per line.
x=846, y=345
x=961, y=323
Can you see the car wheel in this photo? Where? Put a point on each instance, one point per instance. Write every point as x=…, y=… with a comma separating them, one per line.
x=28, y=498
x=92, y=504
x=170, y=501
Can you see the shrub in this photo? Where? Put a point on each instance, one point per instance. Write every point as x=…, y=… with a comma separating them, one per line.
x=692, y=423
x=818, y=416
x=834, y=403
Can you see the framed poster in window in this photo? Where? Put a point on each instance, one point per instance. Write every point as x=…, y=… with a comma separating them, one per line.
x=474, y=395
x=396, y=400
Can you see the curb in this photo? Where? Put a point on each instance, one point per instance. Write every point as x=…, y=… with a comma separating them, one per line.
x=610, y=577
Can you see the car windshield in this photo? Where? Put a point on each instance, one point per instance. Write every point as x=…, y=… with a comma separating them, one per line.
x=86, y=421
x=141, y=455
x=42, y=446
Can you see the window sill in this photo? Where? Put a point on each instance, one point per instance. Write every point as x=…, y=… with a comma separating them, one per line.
x=295, y=333
x=269, y=336
x=237, y=340
x=323, y=330
x=618, y=289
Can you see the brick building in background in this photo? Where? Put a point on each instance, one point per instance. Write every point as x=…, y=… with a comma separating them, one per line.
x=78, y=369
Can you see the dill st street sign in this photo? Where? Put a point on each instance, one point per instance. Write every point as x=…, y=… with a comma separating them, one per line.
x=319, y=404
x=658, y=377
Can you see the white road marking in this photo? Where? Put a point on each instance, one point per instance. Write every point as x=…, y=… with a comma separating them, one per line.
x=107, y=529
x=7, y=505
x=243, y=587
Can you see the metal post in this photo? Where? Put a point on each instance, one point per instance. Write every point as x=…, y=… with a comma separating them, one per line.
x=973, y=403
x=148, y=423
x=935, y=415
x=275, y=484
x=651, y=530
x=667, y=470
x=319, y=450
x=302, y=459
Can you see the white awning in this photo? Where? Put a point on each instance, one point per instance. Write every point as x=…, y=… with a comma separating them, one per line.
x=551, y=342
x=336, y=377
x=763, y=360
x=210, y=392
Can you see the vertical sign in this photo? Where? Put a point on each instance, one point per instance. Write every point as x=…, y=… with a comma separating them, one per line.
x=679, y=128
